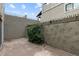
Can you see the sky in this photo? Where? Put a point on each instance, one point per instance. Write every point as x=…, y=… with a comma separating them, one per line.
x=22, y=9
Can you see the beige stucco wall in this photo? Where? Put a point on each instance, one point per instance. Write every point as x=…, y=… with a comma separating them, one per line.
x=1, y=7
x=49, y=6
x=55, y=11
x=15, y=26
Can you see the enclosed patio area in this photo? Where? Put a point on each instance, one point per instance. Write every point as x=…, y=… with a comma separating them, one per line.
x=21, y=47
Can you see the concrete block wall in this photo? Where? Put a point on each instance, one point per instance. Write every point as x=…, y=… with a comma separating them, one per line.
x=63, y=35
x=14, y=27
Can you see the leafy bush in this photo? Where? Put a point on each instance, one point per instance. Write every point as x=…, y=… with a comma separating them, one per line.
x=34, y=33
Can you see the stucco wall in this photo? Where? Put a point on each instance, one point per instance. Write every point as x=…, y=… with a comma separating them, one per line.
x=1, y=7
x=55, y=11
x=0, y=32
x=49, y=6
x=52, y=14
x=1, y=23
x=63, y=35
x=15, y=26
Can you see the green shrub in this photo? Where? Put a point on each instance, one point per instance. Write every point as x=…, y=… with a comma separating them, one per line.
x=35, y=34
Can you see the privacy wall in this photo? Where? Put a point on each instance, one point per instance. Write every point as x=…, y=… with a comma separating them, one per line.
x=1, y=23
x=14, y=27
x=63, y=34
